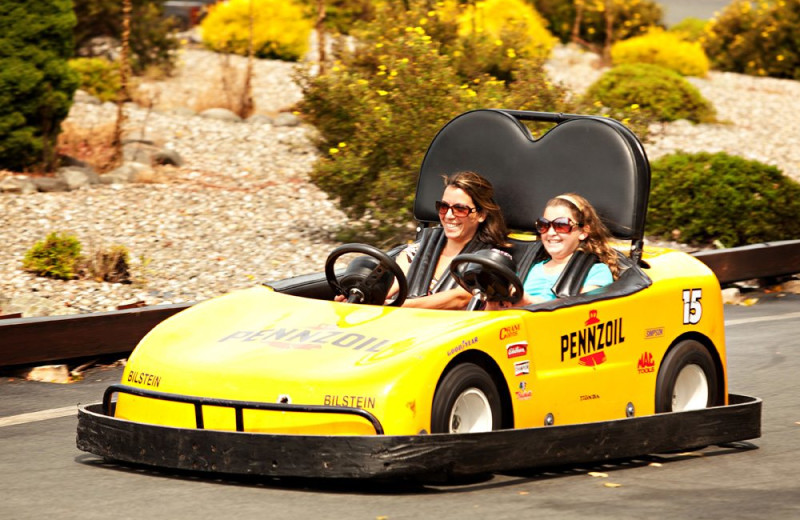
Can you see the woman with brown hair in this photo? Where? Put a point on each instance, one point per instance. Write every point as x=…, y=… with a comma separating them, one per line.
x=471, y=220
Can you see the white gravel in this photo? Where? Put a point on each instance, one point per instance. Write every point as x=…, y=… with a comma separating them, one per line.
x=241, y=210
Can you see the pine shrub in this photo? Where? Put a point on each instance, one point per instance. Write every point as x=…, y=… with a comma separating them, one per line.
x=760, y=39
x=667, y=49
x=57, y=256
x=36, y=84
x=690, y=29
x=702, y=198
x=281, y=28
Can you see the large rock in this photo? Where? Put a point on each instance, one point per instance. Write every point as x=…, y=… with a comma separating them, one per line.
x=17, y=185
x=222, y=114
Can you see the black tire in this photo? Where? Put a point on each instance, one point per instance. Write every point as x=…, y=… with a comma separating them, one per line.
x=466, y=385
x=690, y=361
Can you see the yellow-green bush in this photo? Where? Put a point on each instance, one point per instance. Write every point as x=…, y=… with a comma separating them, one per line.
x=760, y=39
x=281, y=28
x=666, y=49
x=380, y=106
x=57, y=256
x=493, y=34
x=98, y=77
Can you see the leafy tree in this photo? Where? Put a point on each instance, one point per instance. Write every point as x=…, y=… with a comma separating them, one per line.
x=36, y=82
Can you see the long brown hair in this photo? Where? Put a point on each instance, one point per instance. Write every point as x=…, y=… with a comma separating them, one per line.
x=493, y=229
x=597, y=234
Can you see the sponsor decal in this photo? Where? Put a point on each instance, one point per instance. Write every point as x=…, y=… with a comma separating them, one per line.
x=522, y=393
x=143, y=378
x=517, y=349
x=461, y=346
x=509, y=332
x=656, y=332
x=351, y=401
x=588, y=343
x=307, y=338
x=646, y=363
x=589, y=397
x=522, y=367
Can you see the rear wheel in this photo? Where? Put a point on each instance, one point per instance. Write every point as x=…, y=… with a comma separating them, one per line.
x=466, y=401
x=687, y=379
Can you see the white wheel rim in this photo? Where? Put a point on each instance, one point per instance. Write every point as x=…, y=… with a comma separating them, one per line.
x=471, y=413
x=691, y=389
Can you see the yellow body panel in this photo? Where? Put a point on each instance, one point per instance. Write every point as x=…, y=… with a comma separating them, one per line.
x=580, y=363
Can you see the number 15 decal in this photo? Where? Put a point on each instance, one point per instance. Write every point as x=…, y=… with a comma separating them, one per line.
x=692, y=309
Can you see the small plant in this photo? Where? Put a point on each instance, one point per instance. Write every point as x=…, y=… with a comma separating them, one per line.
x=109, y=265
x=92, y=145
x=99, y=77
x=57, y=256
x=280, y=28
x=667, y=49
x=704, y=198
x=643, y=93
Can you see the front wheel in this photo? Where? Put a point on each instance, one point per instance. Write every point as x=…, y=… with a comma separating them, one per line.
x=466, y=401
x=687, y=379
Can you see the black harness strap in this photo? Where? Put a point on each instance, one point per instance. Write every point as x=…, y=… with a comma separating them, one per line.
x=572, y=278
x=423, y=267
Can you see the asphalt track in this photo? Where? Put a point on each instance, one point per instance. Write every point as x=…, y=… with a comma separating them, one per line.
x=43, y=474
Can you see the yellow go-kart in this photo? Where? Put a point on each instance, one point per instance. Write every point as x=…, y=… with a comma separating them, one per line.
x=282, y=380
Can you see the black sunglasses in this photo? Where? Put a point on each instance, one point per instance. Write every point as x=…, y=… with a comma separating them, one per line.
x=560, y=225
x=459, y=210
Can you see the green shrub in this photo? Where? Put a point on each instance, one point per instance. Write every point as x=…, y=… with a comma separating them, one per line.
x=631, y=18
x=152, y=43
x=281, y=28
x=757, y=39
x=379, y=108
x=667, y=49
x=639, y=94
x=36, y=84
x=704, y=197
x=57, y=256
x=690, y=29
x=98, y=77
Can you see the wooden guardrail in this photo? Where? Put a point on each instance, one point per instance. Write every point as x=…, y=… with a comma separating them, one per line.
x=25, y=341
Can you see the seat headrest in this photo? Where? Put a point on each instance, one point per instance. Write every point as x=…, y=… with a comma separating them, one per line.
x=596, y=157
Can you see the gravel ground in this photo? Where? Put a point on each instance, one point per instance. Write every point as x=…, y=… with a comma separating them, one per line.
x=241, y=209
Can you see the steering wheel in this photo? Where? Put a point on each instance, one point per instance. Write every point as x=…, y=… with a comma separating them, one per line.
x=366, y=279
x=489, y=275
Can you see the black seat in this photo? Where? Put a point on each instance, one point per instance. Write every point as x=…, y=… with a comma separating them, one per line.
x=597, y=157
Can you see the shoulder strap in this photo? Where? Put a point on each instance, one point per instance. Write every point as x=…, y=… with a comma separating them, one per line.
x=420, y=272
x=571, y=280
x=525, y=255
x=447, y=282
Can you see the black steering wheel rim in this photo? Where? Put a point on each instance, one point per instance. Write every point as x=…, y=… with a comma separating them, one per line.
x=365, y=249
x=493, y=266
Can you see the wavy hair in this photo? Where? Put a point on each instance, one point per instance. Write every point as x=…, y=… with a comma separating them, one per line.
x=598, y=235
x=493, y=229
